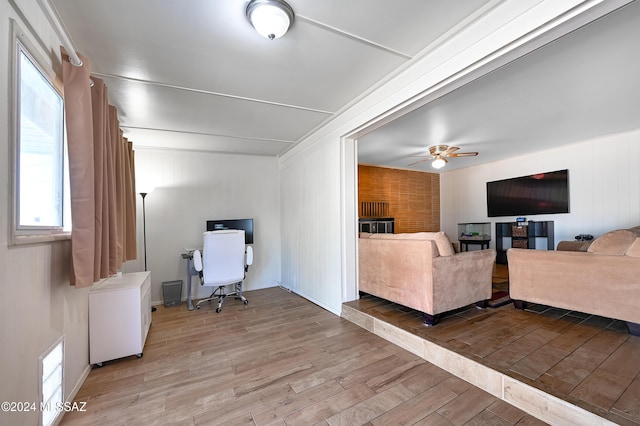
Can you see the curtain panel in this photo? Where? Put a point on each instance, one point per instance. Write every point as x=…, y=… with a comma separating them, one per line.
x=102, y=179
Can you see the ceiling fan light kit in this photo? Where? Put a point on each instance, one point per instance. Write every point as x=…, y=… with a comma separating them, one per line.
x=440, y=153
x=438, y=163
x=270, y=18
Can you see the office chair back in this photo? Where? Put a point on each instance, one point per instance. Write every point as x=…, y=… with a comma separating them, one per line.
x=223, y=257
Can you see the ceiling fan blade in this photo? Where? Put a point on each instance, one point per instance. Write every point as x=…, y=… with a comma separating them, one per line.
x=463, y=154
x=421, y=161
x=450, y=150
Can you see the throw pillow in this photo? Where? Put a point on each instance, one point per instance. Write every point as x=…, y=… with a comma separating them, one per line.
x=444, y=244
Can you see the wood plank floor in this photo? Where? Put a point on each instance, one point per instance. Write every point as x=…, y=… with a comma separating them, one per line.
x=280, y=360
x=589, y=361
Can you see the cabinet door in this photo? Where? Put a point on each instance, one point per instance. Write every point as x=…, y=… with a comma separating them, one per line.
x=119, y=316
x=114, y=318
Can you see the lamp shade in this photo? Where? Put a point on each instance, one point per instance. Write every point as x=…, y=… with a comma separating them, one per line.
x=438, y=163
x=144, y=187
x=270, y=18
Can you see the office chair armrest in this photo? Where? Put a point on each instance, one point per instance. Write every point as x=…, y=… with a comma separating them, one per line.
x=197, y=260
x=249, y=251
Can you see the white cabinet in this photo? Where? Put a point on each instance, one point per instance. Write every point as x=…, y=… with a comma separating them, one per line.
x=119, y=316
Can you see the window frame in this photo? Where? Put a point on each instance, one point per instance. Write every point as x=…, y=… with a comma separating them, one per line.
x=22, y=43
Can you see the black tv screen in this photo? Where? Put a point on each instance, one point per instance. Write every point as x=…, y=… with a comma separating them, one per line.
x=541, y=193
x=245, y=224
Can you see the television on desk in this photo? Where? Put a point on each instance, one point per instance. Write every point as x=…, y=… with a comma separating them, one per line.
x=244, y=224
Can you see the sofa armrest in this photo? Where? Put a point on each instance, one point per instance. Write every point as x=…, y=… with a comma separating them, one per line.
x=462, y=279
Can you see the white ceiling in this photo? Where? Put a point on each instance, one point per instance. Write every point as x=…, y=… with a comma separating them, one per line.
x=199, y=67
x=195, y=75
x=581, y=86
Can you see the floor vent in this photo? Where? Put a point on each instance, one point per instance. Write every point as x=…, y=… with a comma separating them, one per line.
x=52, y=383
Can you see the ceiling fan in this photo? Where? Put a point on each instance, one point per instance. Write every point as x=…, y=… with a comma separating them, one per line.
x=440, y=153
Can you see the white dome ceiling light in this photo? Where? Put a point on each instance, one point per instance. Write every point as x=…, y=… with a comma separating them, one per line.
x=270, y=18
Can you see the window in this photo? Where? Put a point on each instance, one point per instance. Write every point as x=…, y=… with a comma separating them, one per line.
x=40, y=154
x=39, y=166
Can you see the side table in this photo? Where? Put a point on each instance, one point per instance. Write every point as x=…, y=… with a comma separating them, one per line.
x=464, y=244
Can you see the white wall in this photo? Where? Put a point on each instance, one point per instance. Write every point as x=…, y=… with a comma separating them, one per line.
x=311, y=226
x=37, y=305
x=604, y=187
x=192, y=187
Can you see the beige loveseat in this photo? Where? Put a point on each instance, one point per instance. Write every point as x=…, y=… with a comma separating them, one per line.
x=422, y=271
x=603, y=280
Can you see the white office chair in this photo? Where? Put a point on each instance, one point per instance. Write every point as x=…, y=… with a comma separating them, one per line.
x=224, y=261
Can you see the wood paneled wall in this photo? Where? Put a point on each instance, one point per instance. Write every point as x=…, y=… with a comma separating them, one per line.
x=413, y=197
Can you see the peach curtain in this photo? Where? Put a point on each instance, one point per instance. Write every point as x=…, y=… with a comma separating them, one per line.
x=102, y=179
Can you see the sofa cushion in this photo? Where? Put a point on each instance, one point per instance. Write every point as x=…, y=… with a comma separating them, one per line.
x=614, y=242
x=634, y=249
x=443, y=243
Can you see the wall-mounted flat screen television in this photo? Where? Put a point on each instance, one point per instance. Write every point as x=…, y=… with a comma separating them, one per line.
x=245, y=224
x=541, y=193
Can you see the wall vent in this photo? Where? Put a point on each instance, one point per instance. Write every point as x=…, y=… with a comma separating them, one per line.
x=51, y=369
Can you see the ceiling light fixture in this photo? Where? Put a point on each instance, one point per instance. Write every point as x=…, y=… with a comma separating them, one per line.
x=270, y=18
x=438, y=163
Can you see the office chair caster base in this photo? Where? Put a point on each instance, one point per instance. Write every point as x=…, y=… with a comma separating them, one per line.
x=218, y=310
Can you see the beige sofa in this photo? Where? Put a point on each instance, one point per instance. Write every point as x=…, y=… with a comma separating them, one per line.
x=422, y=271
x=603, y=280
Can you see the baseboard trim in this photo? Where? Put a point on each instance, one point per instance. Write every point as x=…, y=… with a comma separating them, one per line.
x=75, y=390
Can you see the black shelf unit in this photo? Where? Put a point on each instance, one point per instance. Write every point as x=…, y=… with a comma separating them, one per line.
x=380, y=225
x=522, y=237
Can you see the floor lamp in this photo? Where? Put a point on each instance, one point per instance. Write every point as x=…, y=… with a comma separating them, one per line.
x=144, y=230
x=143, y=193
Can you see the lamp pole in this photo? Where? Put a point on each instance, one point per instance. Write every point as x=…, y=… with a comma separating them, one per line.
x=144, y=234
x=144, y=229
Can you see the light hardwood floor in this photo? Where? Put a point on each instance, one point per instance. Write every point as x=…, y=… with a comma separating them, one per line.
x=280, y=360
